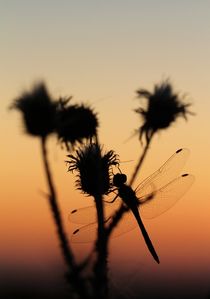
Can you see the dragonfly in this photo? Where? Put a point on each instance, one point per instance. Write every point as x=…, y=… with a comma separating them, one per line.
x=151, y=198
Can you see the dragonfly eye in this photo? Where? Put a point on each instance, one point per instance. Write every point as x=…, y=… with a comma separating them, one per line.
x=119, y=179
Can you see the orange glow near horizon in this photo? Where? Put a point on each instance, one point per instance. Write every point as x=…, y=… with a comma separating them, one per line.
x=101, y=56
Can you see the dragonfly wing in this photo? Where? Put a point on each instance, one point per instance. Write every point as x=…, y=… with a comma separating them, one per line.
x=88, y=214
x=164, y=198
x=83, y=215
x=85, y=234
x=166, y=173
x=127, y=223
x=88, y=233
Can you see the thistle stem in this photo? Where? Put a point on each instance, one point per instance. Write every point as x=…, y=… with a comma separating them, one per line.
x=100, y=267
x=141, y=159
x=116, y=218
x=76, y=282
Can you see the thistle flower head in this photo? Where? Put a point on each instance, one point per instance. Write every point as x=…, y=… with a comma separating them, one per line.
x=163, y=108
x=94, y=169
x=38, y=110
x=75, y=122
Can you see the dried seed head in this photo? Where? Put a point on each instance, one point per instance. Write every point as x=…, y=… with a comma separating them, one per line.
x=94, y=169
x=38, y=110
x=163, y=108
x=75, y=123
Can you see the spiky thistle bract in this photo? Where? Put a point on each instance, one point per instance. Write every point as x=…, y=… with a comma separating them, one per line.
x=94, y=169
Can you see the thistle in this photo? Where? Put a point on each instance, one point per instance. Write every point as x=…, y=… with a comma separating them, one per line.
x=39, y=116
x=94, y=178
x=38, y=110
x=163, y=107
x=75, y=123
x=94, y=169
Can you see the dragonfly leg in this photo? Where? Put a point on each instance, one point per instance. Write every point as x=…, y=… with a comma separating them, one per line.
x=112, y=199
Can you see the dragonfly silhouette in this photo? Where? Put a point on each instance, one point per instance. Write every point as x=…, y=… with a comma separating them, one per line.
x=152, y=197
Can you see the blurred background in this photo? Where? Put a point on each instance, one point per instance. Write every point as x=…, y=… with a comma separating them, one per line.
x=101, y=53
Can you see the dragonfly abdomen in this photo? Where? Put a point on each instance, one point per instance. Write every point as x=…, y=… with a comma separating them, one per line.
x=128, y=196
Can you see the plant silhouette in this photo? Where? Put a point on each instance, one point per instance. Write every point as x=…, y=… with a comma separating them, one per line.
x=94, y=170
x=42, y=117
x=163, y=108
x=76, y=128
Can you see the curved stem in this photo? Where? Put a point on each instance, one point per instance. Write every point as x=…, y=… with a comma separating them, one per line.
x=66, y=251
x=116, y=218
x=141, y=159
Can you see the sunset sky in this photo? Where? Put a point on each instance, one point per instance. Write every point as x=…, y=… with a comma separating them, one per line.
x=101, y=52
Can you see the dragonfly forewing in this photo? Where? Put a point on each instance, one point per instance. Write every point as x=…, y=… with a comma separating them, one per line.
x=165, y=174
x=88, y=233
x=88, y=214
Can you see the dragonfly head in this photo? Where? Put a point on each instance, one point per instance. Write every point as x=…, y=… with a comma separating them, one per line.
x=119, y=179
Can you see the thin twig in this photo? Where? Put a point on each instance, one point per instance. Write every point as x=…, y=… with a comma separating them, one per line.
x=141, y=159
x=116, y=218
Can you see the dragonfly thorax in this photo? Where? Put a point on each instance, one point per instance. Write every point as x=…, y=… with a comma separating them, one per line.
x=119, y=179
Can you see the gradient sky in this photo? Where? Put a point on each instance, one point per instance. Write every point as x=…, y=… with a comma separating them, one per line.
x=101, y=52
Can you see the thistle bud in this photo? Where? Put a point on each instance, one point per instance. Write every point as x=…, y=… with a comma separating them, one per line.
x=38, y=111
x=75, y=123
x=163, y=108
